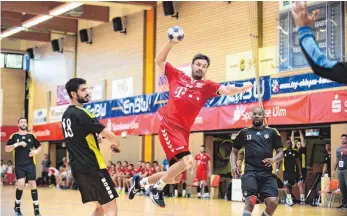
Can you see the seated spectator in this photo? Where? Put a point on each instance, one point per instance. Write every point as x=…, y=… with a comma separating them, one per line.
x=53, y=175
x=3, y=171
x=10, y=173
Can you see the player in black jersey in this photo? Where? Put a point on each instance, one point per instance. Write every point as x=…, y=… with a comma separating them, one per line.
x=290, y=166
x=259, y=142
x=87, y=165
x=300, y=146
x=25, y=147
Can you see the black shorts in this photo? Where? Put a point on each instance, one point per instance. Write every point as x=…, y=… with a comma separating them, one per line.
x=96, y=186
x=304, y=173
x=27, y=171
x=255, y=183
x=178, y=157
x=290, y=178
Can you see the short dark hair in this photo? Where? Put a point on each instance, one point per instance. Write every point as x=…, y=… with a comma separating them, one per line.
x=203, y=146
x=201, y=56
x=21, y=119
x=126, y=162
x=73, y=84
x=344, y=135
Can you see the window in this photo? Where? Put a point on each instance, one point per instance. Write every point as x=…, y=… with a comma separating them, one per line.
x=2, y=60
x=12, y=60
x=328, y=30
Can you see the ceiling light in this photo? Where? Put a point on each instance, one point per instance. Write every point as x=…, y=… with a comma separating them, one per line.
x=64, y=8
x=11, y=31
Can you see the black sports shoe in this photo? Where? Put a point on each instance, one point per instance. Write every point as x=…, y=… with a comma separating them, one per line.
x=37, y=212
x=17, y=212
x=342, y=207
x=157, y=196
x=136, y=187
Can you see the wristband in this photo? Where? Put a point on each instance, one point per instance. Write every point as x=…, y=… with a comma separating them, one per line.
x=16, y=145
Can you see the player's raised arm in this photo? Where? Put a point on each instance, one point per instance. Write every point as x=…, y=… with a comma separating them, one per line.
x=319, y=62
x=175, y=34
x=232, y=90
x=160, y=60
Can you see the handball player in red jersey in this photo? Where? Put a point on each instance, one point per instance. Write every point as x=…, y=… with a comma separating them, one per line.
x=187, y=96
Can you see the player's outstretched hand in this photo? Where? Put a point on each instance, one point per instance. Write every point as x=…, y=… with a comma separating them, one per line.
x=247, y=86
x=235, y=171
x=24, y=144
x=268, y=162
x=115, y=148
x=301, y=16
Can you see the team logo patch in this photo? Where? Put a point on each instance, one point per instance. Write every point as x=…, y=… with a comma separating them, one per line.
x=23, y=137
x=258, y=133
x=245, y=194
x=29, y=140
x=266, y=136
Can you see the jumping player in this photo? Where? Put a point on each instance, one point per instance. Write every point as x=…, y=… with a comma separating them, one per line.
x=259, y=142
x=186, y=98
x=25, y=147
x=88, y=167
x=202, y=166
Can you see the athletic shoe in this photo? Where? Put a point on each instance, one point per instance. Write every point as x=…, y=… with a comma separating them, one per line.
x=17, y=212
x=157, y=197
x=136, y=187
x=289, y=202
x=342, y=207
x=37, y=212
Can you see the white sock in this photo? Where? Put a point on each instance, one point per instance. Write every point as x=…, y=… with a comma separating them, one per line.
x=144, y=182
x=176, y=192
x=265, y=214
x=289, y=196
x=159, y=185
x=302, y=197
x=18, y=201
x=199, y=194
x=184, y=193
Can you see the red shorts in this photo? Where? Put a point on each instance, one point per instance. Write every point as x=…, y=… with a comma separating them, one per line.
x=175, y=141
x=201, y=175
x=10, y=177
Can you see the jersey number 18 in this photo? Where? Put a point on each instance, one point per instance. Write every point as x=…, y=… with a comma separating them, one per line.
x=67, y=128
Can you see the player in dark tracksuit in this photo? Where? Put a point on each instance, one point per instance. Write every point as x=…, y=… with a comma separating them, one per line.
x=319, y=62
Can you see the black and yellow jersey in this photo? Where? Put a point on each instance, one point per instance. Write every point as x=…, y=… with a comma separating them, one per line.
x=259, y=144
x=289, y=160
x=21, y=154
x=302, y=157
x=80, y=128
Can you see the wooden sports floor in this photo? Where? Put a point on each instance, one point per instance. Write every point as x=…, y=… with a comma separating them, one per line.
x=55, y=202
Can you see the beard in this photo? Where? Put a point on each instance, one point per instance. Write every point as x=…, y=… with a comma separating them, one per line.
x=23, y=128
x=82, y=100
x=197, y=75
x=257, y=123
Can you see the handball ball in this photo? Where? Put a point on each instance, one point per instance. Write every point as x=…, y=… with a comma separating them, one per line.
x=175, y=34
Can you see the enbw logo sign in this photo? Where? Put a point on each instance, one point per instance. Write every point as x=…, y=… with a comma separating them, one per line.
x=138, y=105
x=98, y=109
